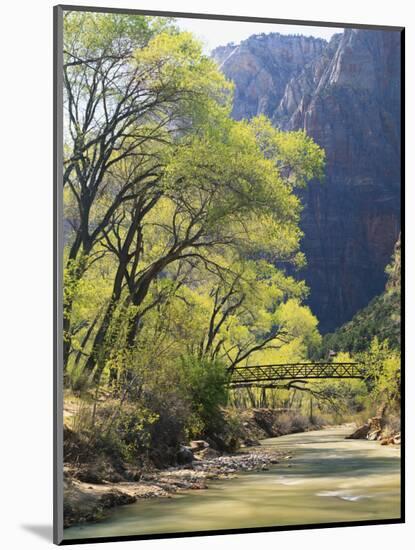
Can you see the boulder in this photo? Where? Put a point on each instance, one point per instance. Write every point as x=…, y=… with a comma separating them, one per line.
x=376, y=424
x=360, y=433
x=251, y=442
x=198, y=445
x=373, y=436
x=207, y=453
x=184, y=455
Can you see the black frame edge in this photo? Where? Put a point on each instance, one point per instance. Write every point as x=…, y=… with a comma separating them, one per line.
x=403, y=280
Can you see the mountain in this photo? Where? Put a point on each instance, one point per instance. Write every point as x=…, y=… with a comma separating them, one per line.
x=381, y=318
x=346, y=95
x=261, y=68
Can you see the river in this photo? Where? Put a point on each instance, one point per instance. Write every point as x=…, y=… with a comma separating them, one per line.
x=328, y=479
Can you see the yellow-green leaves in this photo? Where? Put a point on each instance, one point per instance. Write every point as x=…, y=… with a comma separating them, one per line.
x=297, y=157
x=175, y=62
x=88, y=32
x=383, y=371
x=179, y=213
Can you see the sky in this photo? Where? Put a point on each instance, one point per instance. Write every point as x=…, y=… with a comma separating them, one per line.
x=218, y=33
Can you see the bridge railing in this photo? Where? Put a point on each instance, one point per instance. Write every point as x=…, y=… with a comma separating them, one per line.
x=250, y=374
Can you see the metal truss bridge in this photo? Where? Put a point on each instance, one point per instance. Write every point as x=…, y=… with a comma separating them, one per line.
x=269, y=375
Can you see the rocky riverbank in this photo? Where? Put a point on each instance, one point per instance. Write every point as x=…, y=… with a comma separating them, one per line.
x=95, y=482
x=85, y=501
x=378, y=428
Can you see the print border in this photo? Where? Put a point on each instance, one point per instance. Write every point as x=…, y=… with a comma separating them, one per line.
x=58, y=274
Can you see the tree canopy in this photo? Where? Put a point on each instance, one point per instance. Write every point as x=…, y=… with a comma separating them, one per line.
x=173, y=210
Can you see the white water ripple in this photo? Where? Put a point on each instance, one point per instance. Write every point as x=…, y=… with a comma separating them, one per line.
x=342, y=495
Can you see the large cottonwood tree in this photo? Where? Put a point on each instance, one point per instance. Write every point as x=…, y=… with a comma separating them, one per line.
x=161, y=185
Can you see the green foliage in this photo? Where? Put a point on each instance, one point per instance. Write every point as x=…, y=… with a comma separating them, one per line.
x=204, y=383
x=381, y=319
x=383, y=366
x=93, y=33
x=128, y=437
x=180, y=221
x=133, y=431
x=298, y=158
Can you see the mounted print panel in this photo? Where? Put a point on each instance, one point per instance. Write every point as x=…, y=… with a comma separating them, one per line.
x=228, y=198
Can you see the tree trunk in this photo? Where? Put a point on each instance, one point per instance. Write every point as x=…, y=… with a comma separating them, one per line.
x=68, y=303
x=95, y=358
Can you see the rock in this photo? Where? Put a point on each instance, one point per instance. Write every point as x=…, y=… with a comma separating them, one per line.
x=83, y=503
x=116, y=498
x=207, y=453
x=98, y=473
x=373, y=436
x=90, y=475
x=376, y=424
x=261, y=66
x=251, y=442
x=198, y=445
x=133, y=474
x=184, y=455
x=346, y=95
x=360, y=433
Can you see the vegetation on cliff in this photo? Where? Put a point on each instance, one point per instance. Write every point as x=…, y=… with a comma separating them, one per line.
x=380, y=319
x=373, y=338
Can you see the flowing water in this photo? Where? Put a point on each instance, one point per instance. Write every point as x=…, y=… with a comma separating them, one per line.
x=328, y=479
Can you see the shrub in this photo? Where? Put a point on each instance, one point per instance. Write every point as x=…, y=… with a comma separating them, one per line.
x=204, y=383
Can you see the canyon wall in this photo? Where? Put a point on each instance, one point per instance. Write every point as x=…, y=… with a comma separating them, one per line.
x=346, y=95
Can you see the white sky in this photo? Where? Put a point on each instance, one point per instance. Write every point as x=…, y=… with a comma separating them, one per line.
x=219, y=33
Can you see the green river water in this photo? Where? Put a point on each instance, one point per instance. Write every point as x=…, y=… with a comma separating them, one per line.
x=328, y=479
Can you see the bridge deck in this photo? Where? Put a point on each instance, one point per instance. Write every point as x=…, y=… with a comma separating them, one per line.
x=254, y=374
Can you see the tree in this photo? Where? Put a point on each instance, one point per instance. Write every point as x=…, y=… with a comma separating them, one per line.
x=383, y=372
x=220, y=192
x=130, y=90
x=162, y=187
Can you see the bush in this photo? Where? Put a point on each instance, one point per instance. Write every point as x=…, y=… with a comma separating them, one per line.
x=168, y=431
x=204, y=383
x=383, y=373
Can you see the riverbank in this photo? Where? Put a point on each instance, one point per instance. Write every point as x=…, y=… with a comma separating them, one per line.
x=88, y=502
x=95, y=483
x=328, y=479
x=382, y=428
